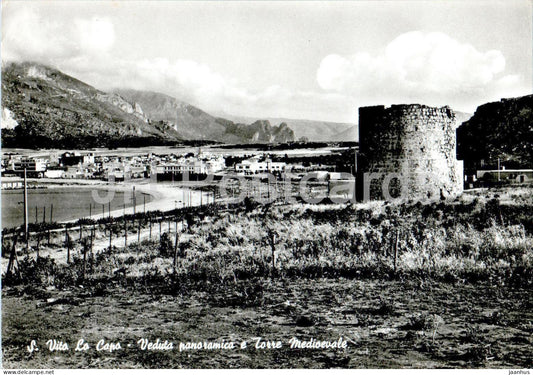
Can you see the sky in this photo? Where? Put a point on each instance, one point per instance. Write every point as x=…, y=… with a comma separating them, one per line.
x=312, y=60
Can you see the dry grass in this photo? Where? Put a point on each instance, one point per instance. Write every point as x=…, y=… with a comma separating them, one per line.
x=480, y=239
x=457, y=295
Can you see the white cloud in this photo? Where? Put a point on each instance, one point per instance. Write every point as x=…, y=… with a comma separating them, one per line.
x=430, y=68
x=28, y=35
x=426, y=67
x=199, y=85
x=95, y=35
x=83, y=48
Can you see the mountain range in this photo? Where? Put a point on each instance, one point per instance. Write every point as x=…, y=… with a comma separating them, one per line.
x=46, y=108
x=190, y=122
x=43, y=107
x=312, y=130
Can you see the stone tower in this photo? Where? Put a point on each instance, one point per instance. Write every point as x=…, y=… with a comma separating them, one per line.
x=407, y=151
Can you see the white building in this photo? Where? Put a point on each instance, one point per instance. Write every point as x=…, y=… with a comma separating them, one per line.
x=120, y=170
x=33, y=166
x=191, y=166
x=181, y=167
x=254, y=166
x=78, y=172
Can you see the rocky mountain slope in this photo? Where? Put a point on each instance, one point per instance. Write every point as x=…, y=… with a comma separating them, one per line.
x=499, y=130
x=47, y=108
x=316, y=131
x=260, y=131
x=43, y=107
x=192, y=123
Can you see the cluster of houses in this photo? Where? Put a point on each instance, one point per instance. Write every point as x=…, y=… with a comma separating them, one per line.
x=77, y=165
x=87, y=165
x=176, y=166
x=257, y=165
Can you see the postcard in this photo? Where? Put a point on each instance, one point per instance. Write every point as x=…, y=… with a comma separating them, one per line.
x=267, y=185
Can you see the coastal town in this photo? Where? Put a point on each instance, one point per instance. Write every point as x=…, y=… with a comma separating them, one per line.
x=266, y=185
x=173, y=166
x=87, y=165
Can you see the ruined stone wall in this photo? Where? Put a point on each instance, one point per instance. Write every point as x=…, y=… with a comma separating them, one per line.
x=411, y=149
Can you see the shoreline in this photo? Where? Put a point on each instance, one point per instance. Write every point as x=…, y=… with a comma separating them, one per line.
x=165, y=196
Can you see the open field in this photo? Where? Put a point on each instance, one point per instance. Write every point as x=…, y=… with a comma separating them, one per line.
x=443, y=284
x=389, y=324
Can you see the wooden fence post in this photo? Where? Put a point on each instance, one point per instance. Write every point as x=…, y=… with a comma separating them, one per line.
x=139, y=231
x=84, y=246
x=396, y=249
x=93, y=233
x=37, y=246
x=175, y=263
x=272, y=242
x=273, y=246
x=125, y=232
x=110, y=235
x=13, y=255
x=67, y=242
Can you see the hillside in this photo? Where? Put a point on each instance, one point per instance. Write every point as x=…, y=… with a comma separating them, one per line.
x=46, y=107
x=43, y=107
x=260, y=131
x=319, y=131
x=193, y=123
x=499, y=130
x=188, y=121
x=316, y=131
x=350, y=134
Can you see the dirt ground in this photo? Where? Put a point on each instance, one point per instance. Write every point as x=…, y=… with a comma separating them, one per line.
x=386, y=324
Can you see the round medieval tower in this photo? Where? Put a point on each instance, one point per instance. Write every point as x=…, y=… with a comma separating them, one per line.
x=407, y=151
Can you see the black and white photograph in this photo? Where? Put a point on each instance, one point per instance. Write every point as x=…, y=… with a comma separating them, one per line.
x=267, y=185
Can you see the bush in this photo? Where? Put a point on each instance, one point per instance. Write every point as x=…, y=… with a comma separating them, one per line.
x=165, y=246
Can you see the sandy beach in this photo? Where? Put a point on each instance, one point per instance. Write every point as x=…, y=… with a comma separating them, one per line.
x=164, y=196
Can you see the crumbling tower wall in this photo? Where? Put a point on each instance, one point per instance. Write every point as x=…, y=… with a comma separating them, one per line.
x=407, y=151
